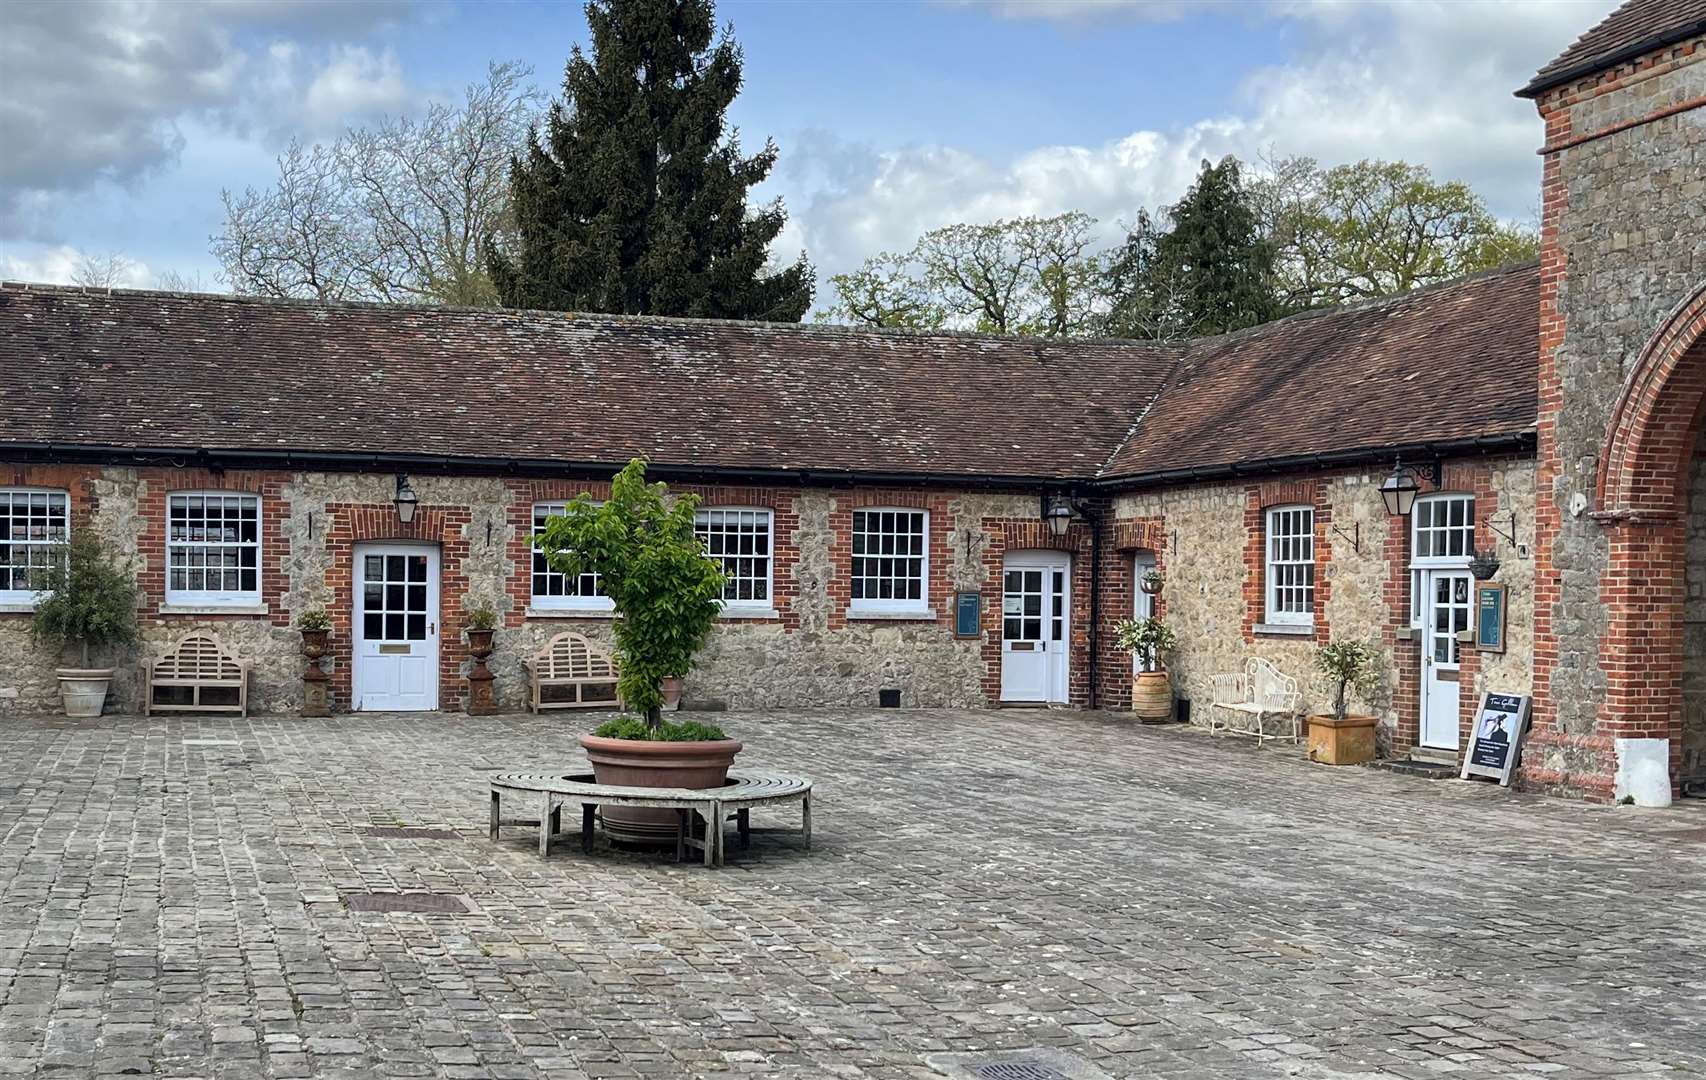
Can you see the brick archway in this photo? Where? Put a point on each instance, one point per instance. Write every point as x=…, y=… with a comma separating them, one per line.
x=1642, y=502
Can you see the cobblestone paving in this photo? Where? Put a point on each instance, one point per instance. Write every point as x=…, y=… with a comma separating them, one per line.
x=1155, y=902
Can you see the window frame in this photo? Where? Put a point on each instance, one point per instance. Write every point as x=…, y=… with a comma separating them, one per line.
x=595, y=603
x=768, y=516
x=1271, y=587
x=889, y=606
x=212, y=598
x=31, y=597
x=1420, y=563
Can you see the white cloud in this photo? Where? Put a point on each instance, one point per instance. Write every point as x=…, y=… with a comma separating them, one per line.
x=1424, y=82
x=58, y=264
x=101, y=90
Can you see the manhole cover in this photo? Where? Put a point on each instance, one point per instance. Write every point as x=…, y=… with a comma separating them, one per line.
x=395, y=832
x=1019, y=1070
x=415, y=901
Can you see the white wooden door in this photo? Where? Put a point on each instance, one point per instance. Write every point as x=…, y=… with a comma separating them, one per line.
x=1036, y=626
x=1449, y=596
x=395, y=628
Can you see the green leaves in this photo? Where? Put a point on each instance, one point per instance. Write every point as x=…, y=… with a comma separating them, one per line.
x=91, y=602
x=1150, y=639
x=651, y=564
x=1351, y=664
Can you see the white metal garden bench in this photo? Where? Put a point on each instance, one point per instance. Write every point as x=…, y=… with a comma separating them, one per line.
x=198, y=663
x=570, y=660
x=1243, y=703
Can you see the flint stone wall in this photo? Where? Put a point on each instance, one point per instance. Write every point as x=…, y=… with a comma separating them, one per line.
x=1631, y=230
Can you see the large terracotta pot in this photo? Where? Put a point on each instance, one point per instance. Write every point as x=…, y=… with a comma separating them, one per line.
x=637, y=763
x=1350, y=741
x=83, y=691
x=1152, y=697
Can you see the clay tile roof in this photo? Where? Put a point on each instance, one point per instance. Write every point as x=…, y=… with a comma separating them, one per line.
x=1448, y=363
x=168, y=372
x=163, y=370
x=1636, y=28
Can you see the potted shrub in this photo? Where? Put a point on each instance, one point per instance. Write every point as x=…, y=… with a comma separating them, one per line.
x=1343, y=738
x=481, y=625
x=1151, y=691
x=667, y=596
x=316, y=628
x=90, y=604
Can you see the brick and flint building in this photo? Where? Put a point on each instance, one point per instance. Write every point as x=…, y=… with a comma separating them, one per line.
x=245, y=457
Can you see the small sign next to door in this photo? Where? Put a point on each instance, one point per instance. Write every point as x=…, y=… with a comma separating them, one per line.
x=968, y=614
x=1496, y=742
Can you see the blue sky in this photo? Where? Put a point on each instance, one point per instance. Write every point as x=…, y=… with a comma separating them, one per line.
x=121, y=122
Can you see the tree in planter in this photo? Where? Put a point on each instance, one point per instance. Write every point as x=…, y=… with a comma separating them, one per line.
x=90, y=603
x=651, y=564
x=1150, y=639
x=1350, y=665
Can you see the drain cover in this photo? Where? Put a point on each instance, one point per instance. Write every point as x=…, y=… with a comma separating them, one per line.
x=394, y=832
x=1019, y=1070
x=414, y=901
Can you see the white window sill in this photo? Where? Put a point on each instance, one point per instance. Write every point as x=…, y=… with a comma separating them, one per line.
x=17, y=607
x=569, y=613
x=214, y=609
x=749, y=613
x=1284, y=629
x=869, y=615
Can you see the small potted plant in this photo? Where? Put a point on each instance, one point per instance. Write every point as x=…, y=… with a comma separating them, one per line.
x=667, y=597
x=1150, y=582
x=1344, y=738
x=316, y=628
x=482, y=624
x=1152, y=691
x=90, y=604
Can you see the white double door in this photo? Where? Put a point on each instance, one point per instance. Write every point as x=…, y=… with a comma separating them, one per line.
x=395, y=628
x=1036, y=626
x=1447, y=599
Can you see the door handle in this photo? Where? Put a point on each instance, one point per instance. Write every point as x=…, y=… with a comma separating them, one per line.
x=432, y=629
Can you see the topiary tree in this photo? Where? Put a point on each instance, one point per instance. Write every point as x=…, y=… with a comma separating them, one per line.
x=91, y=603
x=652, y=565
x=1150, y=639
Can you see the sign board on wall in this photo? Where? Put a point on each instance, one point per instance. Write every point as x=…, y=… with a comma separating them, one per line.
x=1489, y=616
x=1495, y=744
x=968, y=614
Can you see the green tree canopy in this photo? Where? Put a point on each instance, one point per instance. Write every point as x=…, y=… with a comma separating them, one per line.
x=1376, y=228
x=634, y=197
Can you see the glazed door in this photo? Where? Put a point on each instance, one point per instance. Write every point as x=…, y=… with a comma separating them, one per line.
x=1449, y=600
x=395, y=628
x=1035, y=626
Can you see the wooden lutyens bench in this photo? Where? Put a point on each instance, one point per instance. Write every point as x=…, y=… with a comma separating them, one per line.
x=198, y=674
x=583, y=674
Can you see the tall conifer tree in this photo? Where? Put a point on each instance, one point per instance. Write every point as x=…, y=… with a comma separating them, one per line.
x=633, y=198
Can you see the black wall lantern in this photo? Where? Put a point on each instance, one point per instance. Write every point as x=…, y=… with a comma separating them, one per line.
x=1058, y=513
x=406, y=500
x=1401, y=488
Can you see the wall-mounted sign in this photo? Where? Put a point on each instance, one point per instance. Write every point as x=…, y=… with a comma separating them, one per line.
x=968, y=614
x=1489, y=616
x=1496, y=742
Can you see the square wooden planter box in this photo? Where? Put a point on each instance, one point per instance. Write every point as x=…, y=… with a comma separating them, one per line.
x=1341, y=742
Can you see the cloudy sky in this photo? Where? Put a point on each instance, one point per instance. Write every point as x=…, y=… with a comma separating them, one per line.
x=121, y=120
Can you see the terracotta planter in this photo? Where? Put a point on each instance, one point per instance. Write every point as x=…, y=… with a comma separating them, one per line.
x=83, y=691
x=480, y=643
x=635, y=763
x=1152, y=697
x=1341, y=742
x=314, y=643
x=671, y=694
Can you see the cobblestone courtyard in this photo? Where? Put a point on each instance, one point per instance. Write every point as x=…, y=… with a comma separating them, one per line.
x=1156, y=903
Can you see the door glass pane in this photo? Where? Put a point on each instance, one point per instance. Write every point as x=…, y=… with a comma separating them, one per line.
x=394, y=627
x=1033, y=629
x=374, y=626
x=375, y=568
x=393, y=568
x=417, y=567
x=1015, y=581
x=417, y=627
x=1010, y=629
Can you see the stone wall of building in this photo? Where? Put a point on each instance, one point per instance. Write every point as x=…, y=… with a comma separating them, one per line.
x=810, y=654
x=1622, y=246
x=1366, y=595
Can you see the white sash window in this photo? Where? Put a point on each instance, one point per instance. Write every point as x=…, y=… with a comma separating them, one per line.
x=213, y=549
x=35, y=526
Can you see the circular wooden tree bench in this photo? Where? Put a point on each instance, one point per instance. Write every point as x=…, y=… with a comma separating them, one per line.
x=745, y=790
